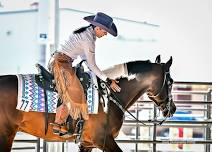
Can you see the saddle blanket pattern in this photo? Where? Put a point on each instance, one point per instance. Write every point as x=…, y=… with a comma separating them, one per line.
x=93, y=95
x=31, y=96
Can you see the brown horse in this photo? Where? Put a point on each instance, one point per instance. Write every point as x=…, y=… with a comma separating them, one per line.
x=101, y=129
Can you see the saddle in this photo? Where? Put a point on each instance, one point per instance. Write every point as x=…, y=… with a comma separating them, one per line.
x=45, y=80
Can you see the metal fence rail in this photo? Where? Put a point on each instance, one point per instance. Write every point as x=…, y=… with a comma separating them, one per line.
x=166, y=141
x=37, y=146
x=206, y=123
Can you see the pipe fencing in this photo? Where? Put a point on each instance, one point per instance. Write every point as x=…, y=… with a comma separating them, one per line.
x=206, y=123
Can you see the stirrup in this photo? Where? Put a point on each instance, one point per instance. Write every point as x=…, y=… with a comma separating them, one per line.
x=54, y=124
x=78, y=130
x=55, y=128
x=63, y=129
x=79, y=126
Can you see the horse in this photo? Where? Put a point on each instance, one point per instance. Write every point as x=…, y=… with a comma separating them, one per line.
x=100, y=129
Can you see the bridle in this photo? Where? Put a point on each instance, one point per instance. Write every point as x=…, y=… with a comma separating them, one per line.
x=166, y=106
x=156, y=98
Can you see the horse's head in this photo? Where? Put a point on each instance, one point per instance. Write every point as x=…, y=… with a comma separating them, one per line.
x=160, y=90
x=152, y=78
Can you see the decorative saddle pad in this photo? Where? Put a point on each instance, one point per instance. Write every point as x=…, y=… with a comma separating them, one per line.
x=93, y=95
x=31, y=96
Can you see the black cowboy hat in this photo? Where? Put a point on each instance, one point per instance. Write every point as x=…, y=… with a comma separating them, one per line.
x=104, y=21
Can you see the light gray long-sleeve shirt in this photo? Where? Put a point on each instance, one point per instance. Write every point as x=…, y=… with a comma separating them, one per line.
x=83, y=45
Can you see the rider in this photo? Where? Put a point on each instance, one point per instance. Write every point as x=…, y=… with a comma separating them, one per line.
x=80, y=43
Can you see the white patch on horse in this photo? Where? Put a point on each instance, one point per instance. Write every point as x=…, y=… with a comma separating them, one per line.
x=131, y=77
x=117, y=71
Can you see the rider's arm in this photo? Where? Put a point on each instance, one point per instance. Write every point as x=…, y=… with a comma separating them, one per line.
x=91, y=61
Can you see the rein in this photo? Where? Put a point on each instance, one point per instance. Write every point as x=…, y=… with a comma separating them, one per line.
x=112, y=97
x=116, y=101
x=123, y=110
x=121, y=107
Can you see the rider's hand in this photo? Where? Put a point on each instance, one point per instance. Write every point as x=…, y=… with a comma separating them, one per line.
x=113, y=85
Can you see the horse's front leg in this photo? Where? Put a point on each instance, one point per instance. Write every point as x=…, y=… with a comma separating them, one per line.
x=6, y=142
x=84, y=149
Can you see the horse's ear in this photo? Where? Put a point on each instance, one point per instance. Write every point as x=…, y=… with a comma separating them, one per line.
x=158, y=60
x=168, y=64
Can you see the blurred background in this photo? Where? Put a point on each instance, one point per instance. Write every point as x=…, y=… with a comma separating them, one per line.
x=31, y=30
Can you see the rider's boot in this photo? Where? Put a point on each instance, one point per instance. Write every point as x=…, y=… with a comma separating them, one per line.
x=56, y=128
x=64, y=129
x=59, y=126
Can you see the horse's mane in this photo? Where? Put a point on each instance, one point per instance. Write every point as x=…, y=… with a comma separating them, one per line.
x=135, y=67
x=125, y=70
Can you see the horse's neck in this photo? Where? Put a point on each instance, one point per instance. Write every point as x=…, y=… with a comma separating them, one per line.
x=133, y=89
